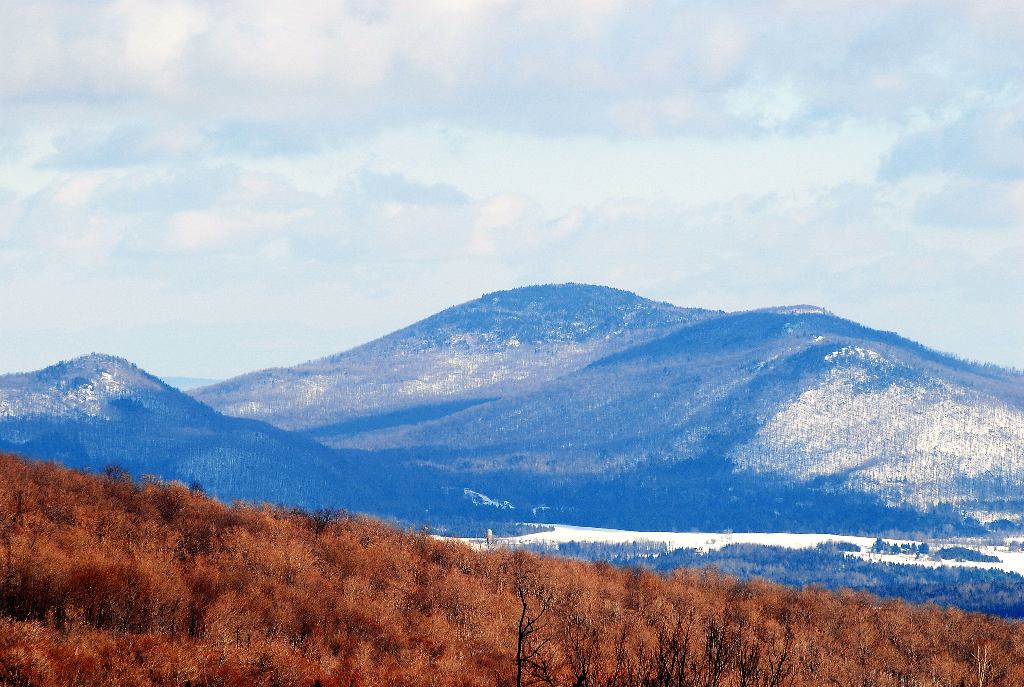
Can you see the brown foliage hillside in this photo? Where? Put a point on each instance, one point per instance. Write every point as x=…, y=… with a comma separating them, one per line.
x=108, y=582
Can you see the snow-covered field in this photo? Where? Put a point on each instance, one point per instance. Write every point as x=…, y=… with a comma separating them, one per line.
x=1010, y=561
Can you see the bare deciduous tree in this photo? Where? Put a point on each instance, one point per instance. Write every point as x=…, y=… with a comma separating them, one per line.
x=532, y=664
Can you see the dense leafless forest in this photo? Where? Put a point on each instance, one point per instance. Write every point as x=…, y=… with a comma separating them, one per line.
x=104, y=580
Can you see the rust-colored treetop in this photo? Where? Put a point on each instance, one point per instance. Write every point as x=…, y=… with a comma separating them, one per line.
x=107, y=581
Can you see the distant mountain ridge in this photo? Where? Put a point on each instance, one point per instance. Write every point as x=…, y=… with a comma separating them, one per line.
x=578, y=404
x=98, y=410
x=790, y=394
x=501, y=343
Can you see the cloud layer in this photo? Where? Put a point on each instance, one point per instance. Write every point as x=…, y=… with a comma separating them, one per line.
x=614, y=67
x=304, y=176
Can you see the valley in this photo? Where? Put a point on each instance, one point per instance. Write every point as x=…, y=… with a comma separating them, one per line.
x=1007, y=554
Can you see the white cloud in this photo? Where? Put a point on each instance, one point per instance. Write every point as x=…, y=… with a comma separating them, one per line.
x=563, y=68
x=257, y=248
x=969, y=203
x=769, y=104
x=986, y=142
x=124, y=146
x=200, y=228
x=724, y=45
x=253, y=205
x=398, y=188
x=77, y=189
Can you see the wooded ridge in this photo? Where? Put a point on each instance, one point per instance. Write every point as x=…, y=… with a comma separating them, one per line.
x=107, y=580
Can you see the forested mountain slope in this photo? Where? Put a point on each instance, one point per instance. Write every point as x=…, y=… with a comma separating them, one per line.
x=795, y=396
x=100, y=410
x=501, y=343
x=110, y=582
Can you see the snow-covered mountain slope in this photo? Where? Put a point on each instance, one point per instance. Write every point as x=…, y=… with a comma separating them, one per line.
x=99, y=410
x=791, y=395
x=920, y=441
x=501, y=343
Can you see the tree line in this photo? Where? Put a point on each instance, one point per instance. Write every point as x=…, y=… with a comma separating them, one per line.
x=996, y=592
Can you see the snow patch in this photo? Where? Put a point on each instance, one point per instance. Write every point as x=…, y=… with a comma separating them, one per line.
x=856, y=352
x=1009, y=560
x=478, y=499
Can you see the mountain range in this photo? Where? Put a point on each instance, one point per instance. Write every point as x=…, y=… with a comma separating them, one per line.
x=572, y=403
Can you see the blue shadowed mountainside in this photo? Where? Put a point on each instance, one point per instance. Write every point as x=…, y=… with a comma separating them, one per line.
x=501, y=343
x=100, y=410
x=573, y=403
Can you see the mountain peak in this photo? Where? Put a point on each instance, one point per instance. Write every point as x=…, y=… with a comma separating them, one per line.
x=802, y=309
x=557, y=290
x=103, y=360
x=81, y=386
x=501, y=342
x=96, y=365
x=548, y=313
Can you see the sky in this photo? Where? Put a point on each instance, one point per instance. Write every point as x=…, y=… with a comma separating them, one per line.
x=208, y=187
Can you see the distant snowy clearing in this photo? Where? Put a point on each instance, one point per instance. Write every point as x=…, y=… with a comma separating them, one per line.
x=1010, y=561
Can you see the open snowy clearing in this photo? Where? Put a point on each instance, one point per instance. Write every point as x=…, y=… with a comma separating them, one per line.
x=1009, y=561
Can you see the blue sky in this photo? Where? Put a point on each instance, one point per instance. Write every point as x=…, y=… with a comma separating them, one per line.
x=211, y=187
